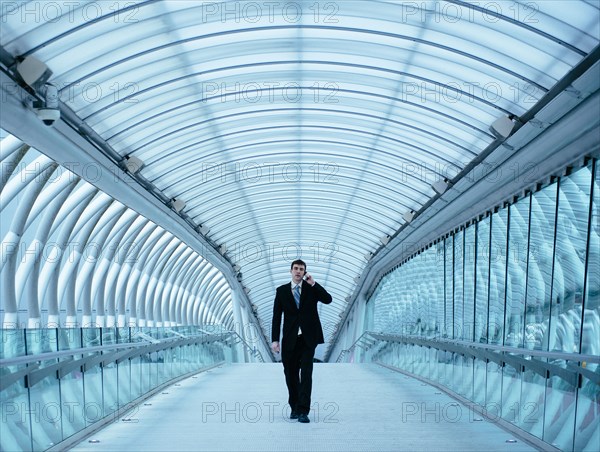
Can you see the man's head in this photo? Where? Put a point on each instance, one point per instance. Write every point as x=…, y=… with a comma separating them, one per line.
x=298, y=270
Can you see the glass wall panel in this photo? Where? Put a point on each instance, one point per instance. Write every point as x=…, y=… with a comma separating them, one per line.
x=407, y=294
x=469, y=284
x=13, y=343
x=587, y=427
x=15, y=428
x=518, y=248
x=444, y=363
x=497, y=277
x=55, y=406
x=177, y=366
x=493, y=399
x=539, y=270
x=525, y=277
x=439, y=288
x=533, y=393
x=155, y=360
x=590, y=340
x=483, y=280
x=457, y=372
x=479, y=381
x=466, y=388
x=559, y=415
x=458, y=275
x=421, y=361
x=44, y=396
x=71, y=385
x=124, y=374
x=92, y=378
x=110, y=380
x=569, y=261
x=511, y=394
x=449, y=287
x=428, y=293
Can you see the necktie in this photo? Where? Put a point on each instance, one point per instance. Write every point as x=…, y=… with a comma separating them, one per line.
x=297, y=296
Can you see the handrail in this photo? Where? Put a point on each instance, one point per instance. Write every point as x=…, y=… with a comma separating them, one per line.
x=103, y=355
x=502, y=355
x=353, y=346
x=580, y=357
x=255, y=351
x=26, y=359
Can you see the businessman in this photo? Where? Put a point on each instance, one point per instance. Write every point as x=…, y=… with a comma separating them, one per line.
x=302, y=332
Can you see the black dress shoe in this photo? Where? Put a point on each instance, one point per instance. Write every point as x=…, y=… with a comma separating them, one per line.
x=294, y=415
x=303, y=418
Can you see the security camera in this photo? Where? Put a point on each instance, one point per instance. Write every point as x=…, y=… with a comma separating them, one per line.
x=47, y=110
x=48, y=115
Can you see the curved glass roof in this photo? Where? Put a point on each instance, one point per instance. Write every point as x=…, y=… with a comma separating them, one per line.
x=301, y=129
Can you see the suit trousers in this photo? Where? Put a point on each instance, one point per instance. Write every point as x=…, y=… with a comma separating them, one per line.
x=298, y=368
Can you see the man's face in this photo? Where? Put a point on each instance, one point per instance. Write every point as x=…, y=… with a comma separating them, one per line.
x=297, y=272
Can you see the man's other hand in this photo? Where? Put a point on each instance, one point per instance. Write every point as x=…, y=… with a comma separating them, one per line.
x=275, y=347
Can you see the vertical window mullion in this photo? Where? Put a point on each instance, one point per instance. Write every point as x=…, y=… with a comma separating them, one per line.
x=547, y=345
x=587, y=253
x=527, y=269
x=475, y=236
x=489, y=279
x=506, y=249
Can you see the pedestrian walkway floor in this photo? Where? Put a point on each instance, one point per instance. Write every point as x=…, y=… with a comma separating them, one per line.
x=355, y=407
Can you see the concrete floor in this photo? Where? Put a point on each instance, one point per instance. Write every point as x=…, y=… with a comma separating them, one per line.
x=355, y=408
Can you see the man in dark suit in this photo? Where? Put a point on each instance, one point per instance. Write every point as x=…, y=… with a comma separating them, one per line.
x=302, y=332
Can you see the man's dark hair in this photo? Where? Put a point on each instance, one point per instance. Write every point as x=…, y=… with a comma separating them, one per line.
x=298, y=262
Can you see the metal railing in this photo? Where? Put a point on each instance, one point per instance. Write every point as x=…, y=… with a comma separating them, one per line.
x=546, y=396
x=59, y=385
x=519, y=358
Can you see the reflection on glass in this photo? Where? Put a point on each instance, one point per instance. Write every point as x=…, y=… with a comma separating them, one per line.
x=479, y=379
x=50, y=410
x=449, y=288
x=533, y=393
x=458, y=285
x=466, y=388
x=16, y=433
x=493, y=399
x=13, y=343
x=71, y=385
x=92, y=378
x=497, y=277
x=46, y=430
x=587, y=428
x=569, y=261
x=469, y=284
x=511, y=394
x=528, y=276
x=516, y=272
x=109, y=375
x=590, y=341
x=483, y=280
x=559, y=414
x=438, y=270
x=539, y=270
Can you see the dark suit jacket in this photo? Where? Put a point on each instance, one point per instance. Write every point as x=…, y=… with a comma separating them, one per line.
x=306, y=317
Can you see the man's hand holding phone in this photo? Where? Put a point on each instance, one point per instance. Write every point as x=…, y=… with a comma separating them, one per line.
x=309, y=279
